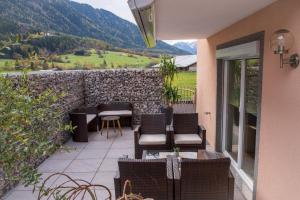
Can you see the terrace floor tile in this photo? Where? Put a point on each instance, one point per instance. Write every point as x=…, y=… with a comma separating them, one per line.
x=84, y=165
x=92, y=154
x=52, y=166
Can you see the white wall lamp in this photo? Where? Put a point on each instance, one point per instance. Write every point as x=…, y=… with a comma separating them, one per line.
x=281, y=42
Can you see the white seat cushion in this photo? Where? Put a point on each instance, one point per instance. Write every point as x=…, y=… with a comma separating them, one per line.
x=116, y=113
x=152, y=139
x=90, y=117
x=187, y=139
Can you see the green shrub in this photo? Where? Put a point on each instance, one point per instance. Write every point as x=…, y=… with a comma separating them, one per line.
x=29, y=127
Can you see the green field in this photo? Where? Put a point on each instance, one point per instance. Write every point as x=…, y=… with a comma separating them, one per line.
x=185, y=80
x=115, y=59
x=106, y=60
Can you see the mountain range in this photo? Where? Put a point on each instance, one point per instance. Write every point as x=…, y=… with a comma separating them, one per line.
x=190, y=47
x=68, y=17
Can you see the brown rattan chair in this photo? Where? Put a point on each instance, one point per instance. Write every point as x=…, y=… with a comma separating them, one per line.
x=150, y=178
x=151, y=134
x=118, y=108
x=84, y=120
x=203, y=179
x=187, y=134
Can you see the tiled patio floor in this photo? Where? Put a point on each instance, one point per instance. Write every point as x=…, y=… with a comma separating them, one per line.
x=95, y=161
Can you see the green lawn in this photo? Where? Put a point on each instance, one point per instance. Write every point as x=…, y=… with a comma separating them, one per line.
x=94, y=61
x=185, y=80
x=115, y=59
x=6, y=64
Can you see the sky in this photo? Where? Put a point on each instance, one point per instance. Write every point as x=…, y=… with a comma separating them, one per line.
x=120, y=8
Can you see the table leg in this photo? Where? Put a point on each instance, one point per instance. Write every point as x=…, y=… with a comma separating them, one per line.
x=114, y=125
x=119, y=125
x=102, y=126
x=107, y=126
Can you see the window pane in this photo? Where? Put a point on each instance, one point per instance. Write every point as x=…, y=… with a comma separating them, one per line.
x=251, y=100
x=233, y=104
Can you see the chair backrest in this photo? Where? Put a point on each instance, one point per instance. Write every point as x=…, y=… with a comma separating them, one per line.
x=116, y=105
x=85, y=110
x=153, y=124
x=148, y=177
x=185, y=123
x=205, y=179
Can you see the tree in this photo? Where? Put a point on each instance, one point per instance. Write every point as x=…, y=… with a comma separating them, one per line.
x=168, y=70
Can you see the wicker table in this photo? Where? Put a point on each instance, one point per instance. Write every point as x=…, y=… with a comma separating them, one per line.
x=201, y=154
x=114, y=120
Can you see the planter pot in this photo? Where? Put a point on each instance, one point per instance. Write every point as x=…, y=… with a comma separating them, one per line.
x=168, y=110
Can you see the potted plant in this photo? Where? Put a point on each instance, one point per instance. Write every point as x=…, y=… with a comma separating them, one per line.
x=168, y=70
x=176, y=151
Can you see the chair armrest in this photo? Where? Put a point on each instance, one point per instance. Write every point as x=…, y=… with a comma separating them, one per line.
x=170, y=178
x=170, y=135
x=176, y=176
x=202, y=134
x=137, y=128
x=137, y=134
x=117, y=182
x=230, y=186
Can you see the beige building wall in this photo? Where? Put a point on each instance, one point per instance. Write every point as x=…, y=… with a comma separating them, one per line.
x=279, y=147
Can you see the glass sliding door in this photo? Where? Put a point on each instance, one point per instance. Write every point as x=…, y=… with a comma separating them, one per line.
x=240, y=100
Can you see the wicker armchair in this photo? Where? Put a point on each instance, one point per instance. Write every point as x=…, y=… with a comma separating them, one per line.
x=151, y=134
x=150, y=178
x=187, y=134
x=118, y=108
x=203, y=179
x=84, y=120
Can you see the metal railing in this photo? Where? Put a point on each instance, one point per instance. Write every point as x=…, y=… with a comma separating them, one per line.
x=187, y=96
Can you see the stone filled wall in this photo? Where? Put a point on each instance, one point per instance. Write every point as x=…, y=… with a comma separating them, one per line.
x=143, y=88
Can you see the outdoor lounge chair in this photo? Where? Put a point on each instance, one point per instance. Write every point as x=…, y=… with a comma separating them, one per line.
x=203, y=179
x=151, y=134
x=84, y=120
x=150, y=178
x=117, y=108
x=187, y=134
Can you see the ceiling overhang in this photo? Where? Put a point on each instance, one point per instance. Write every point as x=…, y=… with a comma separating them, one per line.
x=196, y=19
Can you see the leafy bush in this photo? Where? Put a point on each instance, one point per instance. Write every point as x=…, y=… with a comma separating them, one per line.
x=29, y=127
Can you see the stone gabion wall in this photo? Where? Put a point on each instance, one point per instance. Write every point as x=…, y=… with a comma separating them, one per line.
x=143, y=88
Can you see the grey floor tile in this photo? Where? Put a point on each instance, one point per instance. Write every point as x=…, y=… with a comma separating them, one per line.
x=21, y=195
x=109, y=164
x=99, y=144
x=63, y=154
x=105, y=178
x=118, y=153
x=92, y=153
x=52, y=166
x=123, y=144
x=76, y=145
x=87, y=165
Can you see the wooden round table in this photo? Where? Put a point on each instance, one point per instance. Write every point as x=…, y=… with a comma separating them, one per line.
x=114, y=119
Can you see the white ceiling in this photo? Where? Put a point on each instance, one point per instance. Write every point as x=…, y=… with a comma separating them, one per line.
x=187, y=19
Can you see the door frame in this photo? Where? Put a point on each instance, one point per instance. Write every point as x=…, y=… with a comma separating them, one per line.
x=259, y=36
